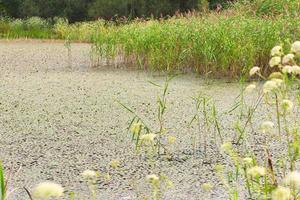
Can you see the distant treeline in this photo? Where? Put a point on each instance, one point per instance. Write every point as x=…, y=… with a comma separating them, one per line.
x=79, y=10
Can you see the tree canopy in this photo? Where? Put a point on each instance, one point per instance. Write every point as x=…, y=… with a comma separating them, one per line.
x=78, y=10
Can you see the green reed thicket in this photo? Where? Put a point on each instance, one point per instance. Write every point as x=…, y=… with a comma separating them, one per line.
x=219, y=44
x=227, y=43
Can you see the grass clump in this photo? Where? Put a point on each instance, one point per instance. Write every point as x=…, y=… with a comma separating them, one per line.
x=34, y=27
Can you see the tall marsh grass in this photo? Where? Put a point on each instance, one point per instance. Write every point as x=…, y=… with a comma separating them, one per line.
x=215, y=44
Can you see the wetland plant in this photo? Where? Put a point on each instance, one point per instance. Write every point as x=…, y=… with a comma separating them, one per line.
x=69, y=50
x=207, y=122
x=272, y=176
x=159, y=185
x=145, y=138
x=91, y=177
x=48, y=190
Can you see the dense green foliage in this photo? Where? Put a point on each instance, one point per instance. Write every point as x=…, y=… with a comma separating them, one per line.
x=77, y=10
x=34, y=27
x=270, y=8
x=218, y=44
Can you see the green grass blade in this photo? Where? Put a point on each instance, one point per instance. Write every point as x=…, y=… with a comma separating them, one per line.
x=191, y=122
x=2, y=182
x=124, y=106
x=155, y=84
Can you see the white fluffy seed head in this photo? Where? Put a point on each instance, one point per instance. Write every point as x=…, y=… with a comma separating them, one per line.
x=277, y=51
x=287, y=105
x=267, y=127
x=281, y=193
x=250, y=88
x=47, y=190
x=148, y=137
x=296, y=48
x=247, y=161
x=296, y=70
x=254, y=70
x=287, y=59
x=269, y=86
x=272, y=85
x=153, y=179
x=275, y=61
x=293, y=179
x=89, y=174
x=287, y=69
x=256, y=171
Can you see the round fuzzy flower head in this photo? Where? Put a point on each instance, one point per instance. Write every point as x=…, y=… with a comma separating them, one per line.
x=287, y=105
x=296, y=70
x=296, y=48
x=47, y=190
x=267, y=127
x=275, y=61
x=287, y=69
x=293, y=179
x=148, y=137
x=254, y=70
x=287, y=59
x=89, y=174
x=272, y=85
x=153, y=179
x=256, y=172
x=277, y=51
x=250, y=88
x=247, y=161
x=281, y=193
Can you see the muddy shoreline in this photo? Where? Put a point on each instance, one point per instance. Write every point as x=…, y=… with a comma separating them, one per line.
x=56, y=122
